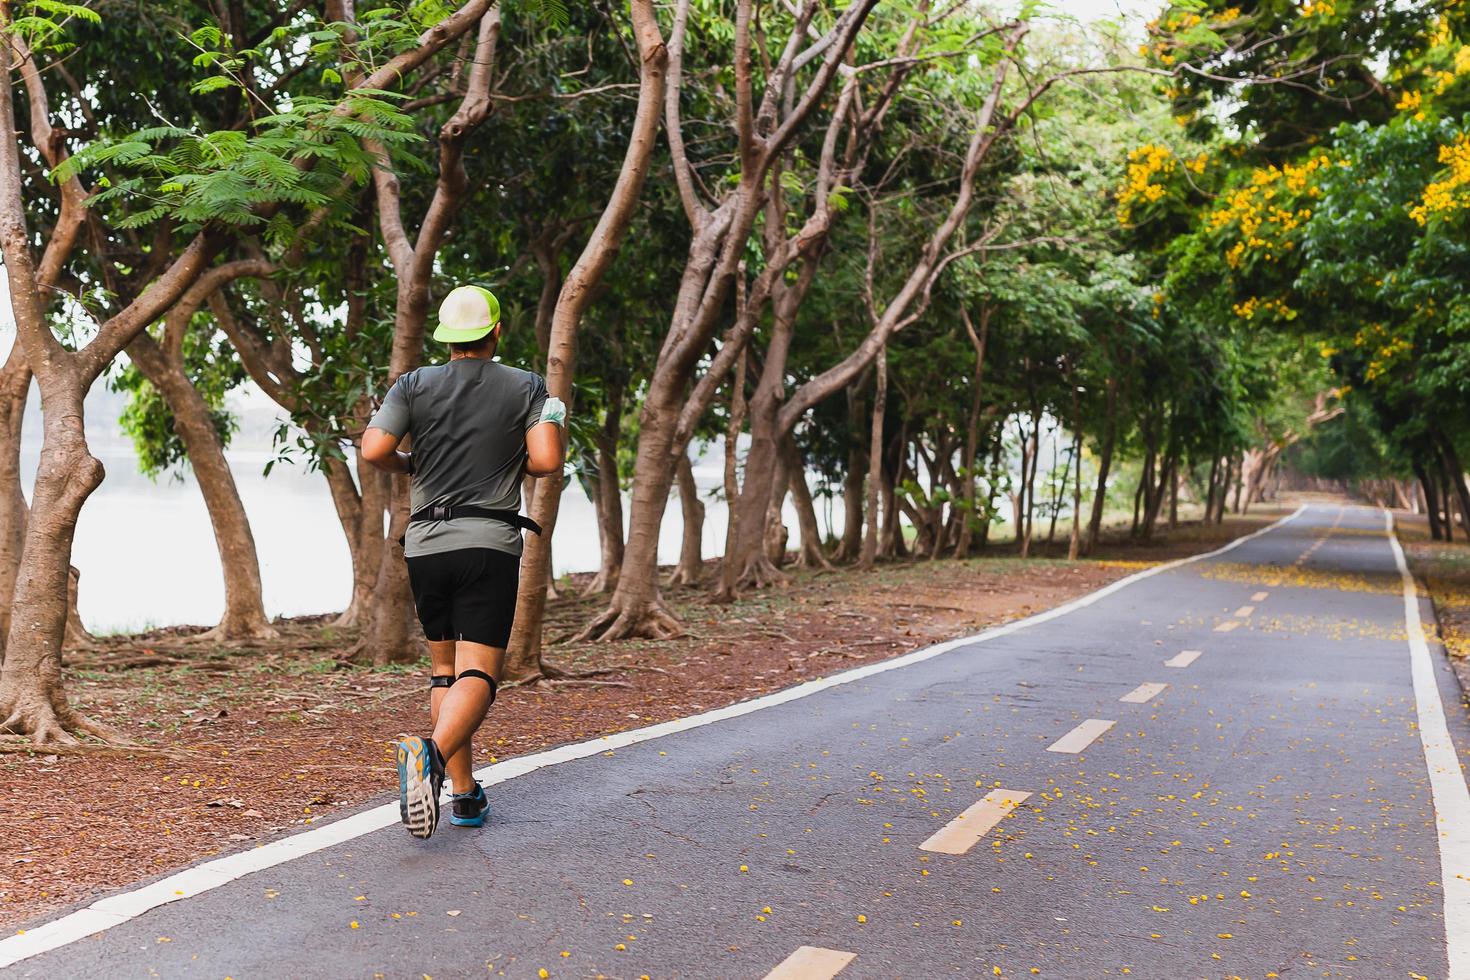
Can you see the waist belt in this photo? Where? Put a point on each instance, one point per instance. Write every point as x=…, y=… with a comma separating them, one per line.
x=446, y=512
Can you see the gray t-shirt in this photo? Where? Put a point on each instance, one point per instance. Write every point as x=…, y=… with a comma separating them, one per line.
x=468, y=420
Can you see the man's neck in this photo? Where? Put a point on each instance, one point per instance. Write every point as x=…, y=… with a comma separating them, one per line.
x=483, y=355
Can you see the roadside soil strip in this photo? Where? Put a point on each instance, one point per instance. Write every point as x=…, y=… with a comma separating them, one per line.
x=1081, y=737
x=965, y=830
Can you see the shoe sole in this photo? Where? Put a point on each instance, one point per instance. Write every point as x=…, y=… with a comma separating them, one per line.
x=418, y=804
x=469, y=821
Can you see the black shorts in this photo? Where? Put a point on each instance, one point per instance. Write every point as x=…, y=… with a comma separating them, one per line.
x=467, y=594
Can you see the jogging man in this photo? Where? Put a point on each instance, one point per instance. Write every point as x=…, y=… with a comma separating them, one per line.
x=475, y=426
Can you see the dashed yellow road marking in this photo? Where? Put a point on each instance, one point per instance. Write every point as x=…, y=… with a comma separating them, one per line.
x=811, y=963
x=1227, y=626
x=1081, y=737
x=961, y=833
x=1244, y=612
x=1183, y=658
x=1259, y=597
x=1143, y=692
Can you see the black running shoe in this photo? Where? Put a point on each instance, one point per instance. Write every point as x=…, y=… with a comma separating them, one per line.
x=420, y=779
x=469, y=809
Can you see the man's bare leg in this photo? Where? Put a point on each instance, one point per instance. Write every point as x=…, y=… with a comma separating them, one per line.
x=462, y=708
x=459, y=766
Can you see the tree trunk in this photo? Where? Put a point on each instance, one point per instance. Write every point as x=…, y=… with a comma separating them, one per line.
x=609, y=497
x=1210, y=488
x=361, y=516
x=1456, y=481
x=812, y=554
x=1058, y=487
x=15, y=383
x=978, y=340
x=244, y=617
x=1155, y=496
x=1174, y=499
x=690, y=570
x=1030, y=481
x=875, y=461
x=1431, y=501
x=1143, y=481
x=32, y=701
x=1074, y=544
x=1239, y=467
x=731, y=473
x=890, y=542
x=992, y=487
x=76, y=636
x=674, y=400
x=852, y=485
x=391, y=633
x=524, y=659
x=775, y=535
x=749, y=563
x=1104, y=465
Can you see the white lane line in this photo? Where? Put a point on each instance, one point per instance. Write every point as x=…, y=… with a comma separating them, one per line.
x=1143, y=693
x=965, y=830
x=1259, y=597
x=1081, y=737
x=1227, y=626
x=1446, y=777
x=811, y=963
x=1244, y=612
x=1184, y=658
x=211, y=874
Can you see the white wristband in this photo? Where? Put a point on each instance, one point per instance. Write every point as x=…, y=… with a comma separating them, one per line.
x=554, y=410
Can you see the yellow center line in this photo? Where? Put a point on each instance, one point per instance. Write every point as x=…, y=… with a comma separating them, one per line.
x=1183, y=658
x=961, y=833
x=1227, y=626
x=811, y=963
x=1244, y=612
x=1259, y=597
x=1081, y=737
x=1143, y=693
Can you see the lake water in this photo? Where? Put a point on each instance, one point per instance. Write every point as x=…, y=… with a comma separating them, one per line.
x=146, y=551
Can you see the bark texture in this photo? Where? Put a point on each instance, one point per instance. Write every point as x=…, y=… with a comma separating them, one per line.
x=524, y=654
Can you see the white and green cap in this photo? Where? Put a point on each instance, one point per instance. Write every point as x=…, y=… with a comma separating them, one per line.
x=467, y=314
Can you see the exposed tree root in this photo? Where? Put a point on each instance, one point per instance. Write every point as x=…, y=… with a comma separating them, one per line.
x=758, y=572
x=48, y=720
x=603, y=582
x=650, y=621
x=684, y=576
x=551, y=675
x=230, y=634
x=761, y=573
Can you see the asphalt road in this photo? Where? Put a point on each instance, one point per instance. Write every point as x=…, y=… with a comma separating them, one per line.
x=1267, y=813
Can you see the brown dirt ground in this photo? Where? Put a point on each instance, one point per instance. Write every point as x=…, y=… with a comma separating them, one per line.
x=1442, y=569
x=264, y=740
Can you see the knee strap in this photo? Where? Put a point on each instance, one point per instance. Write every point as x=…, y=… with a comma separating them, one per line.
x=482, y=676
x=441, y=680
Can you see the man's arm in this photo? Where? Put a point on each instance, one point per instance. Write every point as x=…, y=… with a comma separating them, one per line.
x=380, y=448
x=545, y=449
